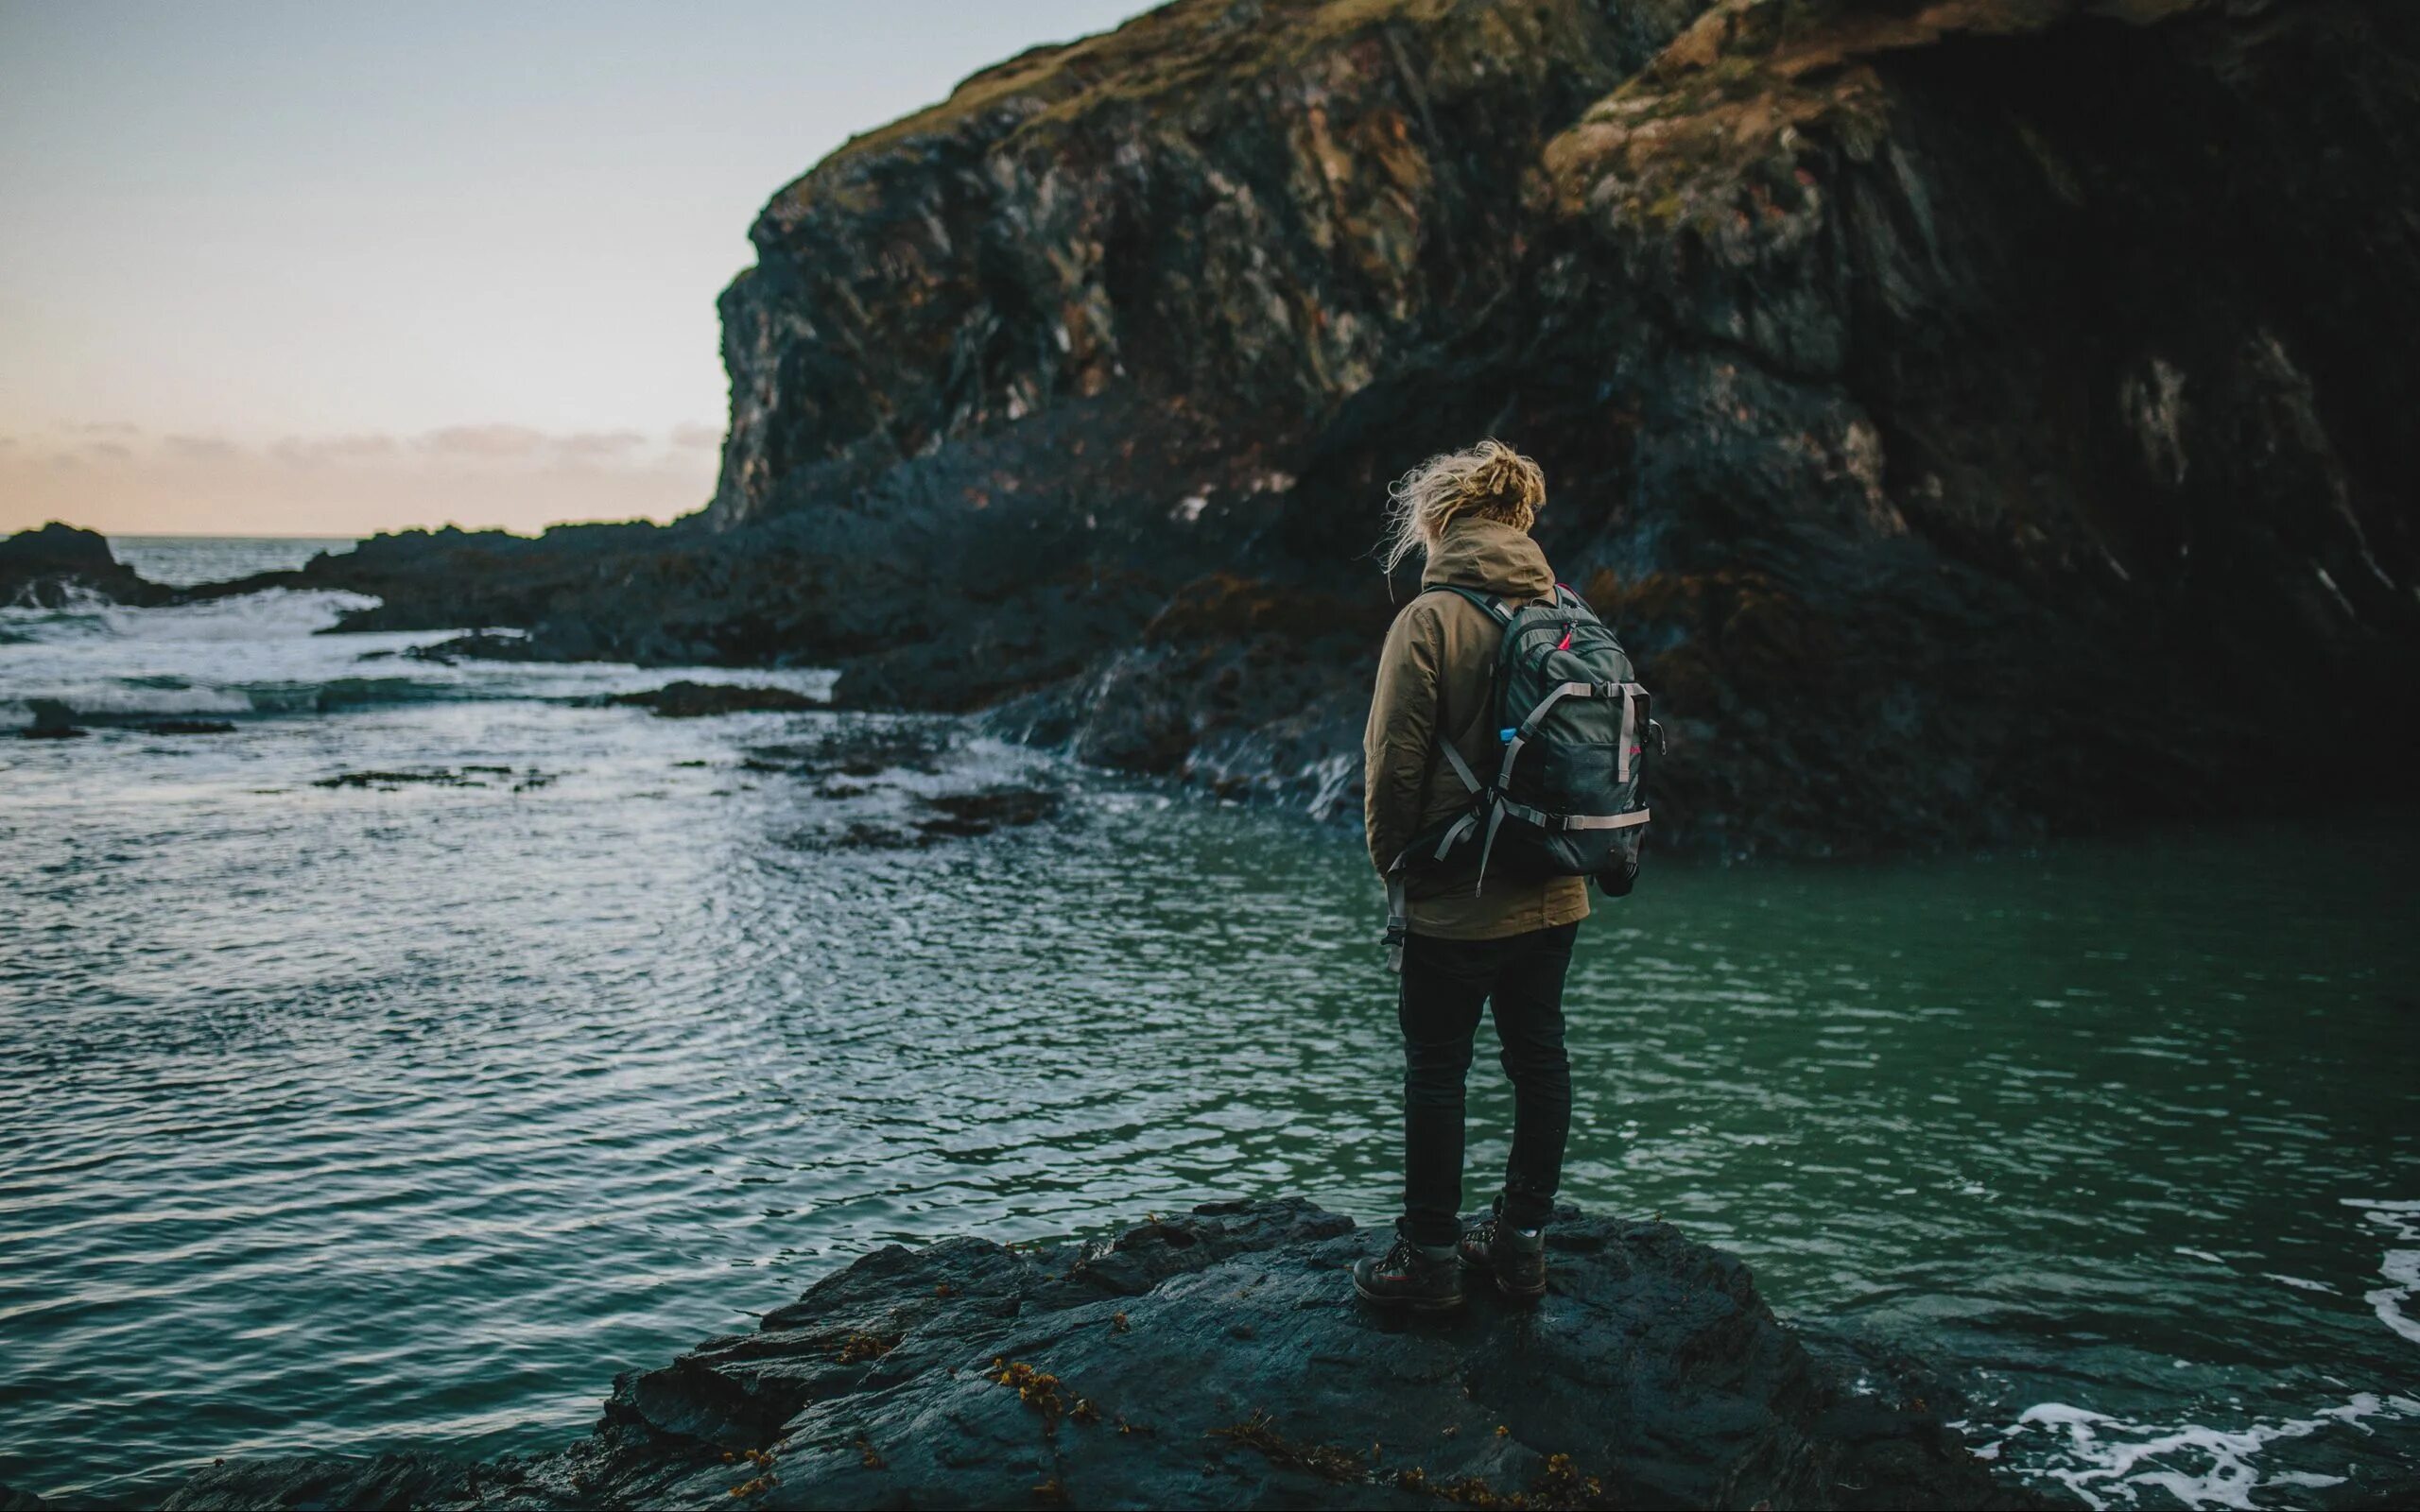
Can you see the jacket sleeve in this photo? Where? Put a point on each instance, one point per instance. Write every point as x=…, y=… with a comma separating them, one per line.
x=1395, y=748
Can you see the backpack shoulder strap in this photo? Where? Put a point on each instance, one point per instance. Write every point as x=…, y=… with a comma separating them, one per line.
x=1494, y=608
x=1497, y=610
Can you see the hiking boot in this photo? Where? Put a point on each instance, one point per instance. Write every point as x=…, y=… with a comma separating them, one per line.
x=1410, y=1277
x=1515, y=1257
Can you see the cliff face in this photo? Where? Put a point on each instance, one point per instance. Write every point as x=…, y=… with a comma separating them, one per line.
x=2018, y=391
x=1251, y=208
x=1981, y=416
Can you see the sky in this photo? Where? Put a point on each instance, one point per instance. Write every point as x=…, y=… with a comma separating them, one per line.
x=326, y=268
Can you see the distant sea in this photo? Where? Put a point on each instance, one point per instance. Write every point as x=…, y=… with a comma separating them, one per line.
x=184, y=560
x=395, y=1065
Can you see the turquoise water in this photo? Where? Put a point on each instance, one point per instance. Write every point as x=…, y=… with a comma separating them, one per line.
x=346, y=1118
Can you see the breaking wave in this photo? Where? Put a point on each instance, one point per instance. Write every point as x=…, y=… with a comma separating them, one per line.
x=2401, y=1267
x=2109, y=1461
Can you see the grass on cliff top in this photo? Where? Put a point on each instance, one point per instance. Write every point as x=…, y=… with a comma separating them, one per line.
x=1721, y=101
x=1185, y=46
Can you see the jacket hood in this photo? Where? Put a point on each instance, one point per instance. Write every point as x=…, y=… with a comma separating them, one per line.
x=1491, y=557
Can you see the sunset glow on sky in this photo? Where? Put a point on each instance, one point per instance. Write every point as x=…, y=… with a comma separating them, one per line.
x=299, y=268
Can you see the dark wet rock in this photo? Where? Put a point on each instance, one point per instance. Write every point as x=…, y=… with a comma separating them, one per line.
x=471, y=776
x=44, y=567
x=479, y=646
x=56, y=720
x=858, y=750
x=183, y=727
x=1219, y=1359
x=386, y=1481
x=53, y=720
x=440, y=777
x=1963, y=410
x=974, y=814
x=697, y=701
x=944, y=817
x=866, y=834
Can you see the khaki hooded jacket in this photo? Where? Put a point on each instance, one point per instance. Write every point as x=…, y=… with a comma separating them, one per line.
x=1436, y=674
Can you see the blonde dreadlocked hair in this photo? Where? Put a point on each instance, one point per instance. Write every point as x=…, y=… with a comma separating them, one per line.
x=1491, y=480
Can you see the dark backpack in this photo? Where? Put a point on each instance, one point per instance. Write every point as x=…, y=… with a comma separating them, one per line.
x=1569, y=797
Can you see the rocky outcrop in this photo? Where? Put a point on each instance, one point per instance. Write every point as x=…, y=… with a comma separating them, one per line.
x=42, y=568
x=1958, y=405
x=1248, y=213
x=1217, y=1359
x=1981, y=418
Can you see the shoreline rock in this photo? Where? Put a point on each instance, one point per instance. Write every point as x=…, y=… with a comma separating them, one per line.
x=1217, y=1359
x=699, y=700
x=45, y=566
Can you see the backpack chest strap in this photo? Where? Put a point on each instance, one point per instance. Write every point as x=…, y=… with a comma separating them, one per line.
x=1557, y=823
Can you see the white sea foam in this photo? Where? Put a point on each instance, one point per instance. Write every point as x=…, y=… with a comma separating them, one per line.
x=107, y=701
x=79, y=610
x=2109, y=1461
x=2399, y=1267
x=278, y=611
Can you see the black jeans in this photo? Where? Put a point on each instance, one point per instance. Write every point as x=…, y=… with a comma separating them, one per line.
x=1446, y=982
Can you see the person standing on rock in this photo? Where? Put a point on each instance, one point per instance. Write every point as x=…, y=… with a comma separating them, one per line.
x=1464, y=946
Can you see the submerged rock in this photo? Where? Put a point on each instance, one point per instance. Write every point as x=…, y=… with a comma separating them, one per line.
x=185, y=727
x=53, y=720
x=1217, y=1359
x=468, y=776
x=479, y=646
x=993, y=808
x=434, y=777
x=857, y=751
x=697, y=701
x=56, y=720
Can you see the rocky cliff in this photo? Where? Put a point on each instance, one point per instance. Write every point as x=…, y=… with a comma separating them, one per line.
x=1981, y=416
x=1219, y=1359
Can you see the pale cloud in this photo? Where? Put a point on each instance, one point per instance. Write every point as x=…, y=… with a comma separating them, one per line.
x=599, y=444
x=100, y=427
x=312, y=450
x=517, y=477
x=467, y=444
x=482, y=440
x=694, y=434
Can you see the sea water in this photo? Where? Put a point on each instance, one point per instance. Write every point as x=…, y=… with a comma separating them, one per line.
x=339, y=1118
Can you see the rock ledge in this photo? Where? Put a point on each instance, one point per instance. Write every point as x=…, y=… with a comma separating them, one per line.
x=1217, y=1360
